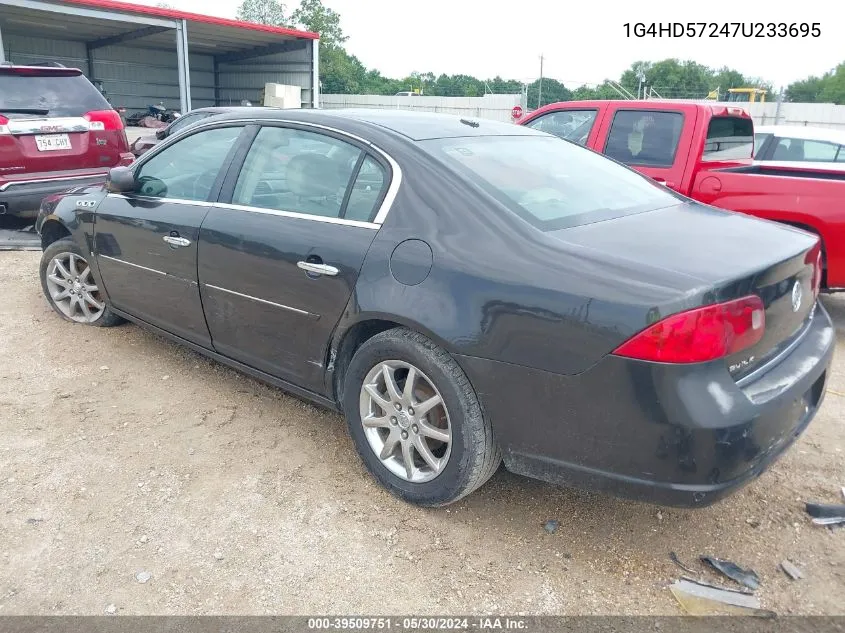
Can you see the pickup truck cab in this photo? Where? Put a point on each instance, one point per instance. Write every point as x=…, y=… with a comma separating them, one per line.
x=704, y=151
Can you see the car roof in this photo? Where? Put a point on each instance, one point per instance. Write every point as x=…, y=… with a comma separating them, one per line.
x=801, y=132
x=417, y=126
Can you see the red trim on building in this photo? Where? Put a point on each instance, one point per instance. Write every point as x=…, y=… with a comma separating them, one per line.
x=173, y=14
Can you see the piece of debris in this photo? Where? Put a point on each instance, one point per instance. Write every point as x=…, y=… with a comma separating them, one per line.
x=698, y=599
x=143, y=576
x=674, y=558
x=659, y=515
x=165, y=377
x=747, y=577
x=753, y=523
x=825, y=510
x=791, y=570
x=829, y=520
x=704, y=583
x=144, y=538
x=104, y=367
x=33, y=521
x=218, y=556
x=111, y=609
x=551, y=526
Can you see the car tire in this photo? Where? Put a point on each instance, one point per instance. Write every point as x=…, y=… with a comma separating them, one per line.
x=471, y=453
x=70, y=287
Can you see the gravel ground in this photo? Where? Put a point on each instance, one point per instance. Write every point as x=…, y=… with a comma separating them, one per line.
x=126, y=458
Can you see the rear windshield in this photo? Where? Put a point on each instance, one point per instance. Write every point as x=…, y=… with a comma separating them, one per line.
x=23, y=96
x=729, y=138
x=549, y=182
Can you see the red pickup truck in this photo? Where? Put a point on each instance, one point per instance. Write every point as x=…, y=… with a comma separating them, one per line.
x=704, y=151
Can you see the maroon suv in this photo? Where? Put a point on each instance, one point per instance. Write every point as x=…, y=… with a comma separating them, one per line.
x=57, y=131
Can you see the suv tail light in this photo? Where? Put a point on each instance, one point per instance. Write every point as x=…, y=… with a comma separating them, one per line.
x=100, y=120
x=700, y=334
x=3, y=122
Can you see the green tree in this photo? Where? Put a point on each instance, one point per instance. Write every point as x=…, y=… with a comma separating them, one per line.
x=314, y=16
x=834, y=86
x=553, y=91
x=263, y=12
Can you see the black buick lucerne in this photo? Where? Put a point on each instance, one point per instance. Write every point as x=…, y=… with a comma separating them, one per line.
x=466, y=292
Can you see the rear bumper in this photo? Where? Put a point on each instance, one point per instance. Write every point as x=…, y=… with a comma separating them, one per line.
x=22, y=198
x=682, y=435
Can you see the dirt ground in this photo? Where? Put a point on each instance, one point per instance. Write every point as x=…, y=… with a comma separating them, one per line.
x=123, y=453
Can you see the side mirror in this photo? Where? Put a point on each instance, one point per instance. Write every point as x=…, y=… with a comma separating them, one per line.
x=121, y=180
x=161, y=133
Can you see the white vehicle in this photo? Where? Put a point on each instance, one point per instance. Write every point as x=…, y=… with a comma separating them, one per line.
x=790, y=144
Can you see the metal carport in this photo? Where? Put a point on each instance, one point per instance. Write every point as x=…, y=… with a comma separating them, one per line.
x=145, y=55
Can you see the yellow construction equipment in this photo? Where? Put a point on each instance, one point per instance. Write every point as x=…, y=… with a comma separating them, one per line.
x=747, y=95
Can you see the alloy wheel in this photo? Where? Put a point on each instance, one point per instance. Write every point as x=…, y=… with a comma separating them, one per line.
x=405, y=421
x=73, y=289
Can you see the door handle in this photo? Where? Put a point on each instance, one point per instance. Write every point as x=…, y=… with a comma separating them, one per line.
x=317, y=269
x=176, y=241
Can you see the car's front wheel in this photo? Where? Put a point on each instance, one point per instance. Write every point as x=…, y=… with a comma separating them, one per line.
x=416, y=421
x=70, y=287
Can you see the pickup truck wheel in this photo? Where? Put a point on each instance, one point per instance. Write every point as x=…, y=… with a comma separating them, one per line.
x=70, y=287
x=416, y=421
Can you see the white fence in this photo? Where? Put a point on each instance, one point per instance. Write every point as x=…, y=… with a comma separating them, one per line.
x=497, y=107
x=805, y=114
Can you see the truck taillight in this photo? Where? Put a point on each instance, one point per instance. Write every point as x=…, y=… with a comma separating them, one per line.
x=3, y=122
x=701, y=334
x=100, y=120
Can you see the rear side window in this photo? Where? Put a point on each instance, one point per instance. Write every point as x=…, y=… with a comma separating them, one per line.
x=645, y=137
x=366, y=191
x=572, y=125
x=729, y=138
x=54, y=95
x=759, y=140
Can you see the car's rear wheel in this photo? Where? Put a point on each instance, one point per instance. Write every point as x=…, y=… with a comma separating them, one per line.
x=70, y=287
x=416, y=421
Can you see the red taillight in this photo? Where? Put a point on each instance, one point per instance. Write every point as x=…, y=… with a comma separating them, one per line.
x=3, y=120
x=701, y=334
x=100, y=120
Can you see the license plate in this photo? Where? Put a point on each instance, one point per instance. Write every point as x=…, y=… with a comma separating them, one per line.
x=52, y=142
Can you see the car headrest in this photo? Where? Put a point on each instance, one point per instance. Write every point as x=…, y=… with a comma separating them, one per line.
x=313, y=176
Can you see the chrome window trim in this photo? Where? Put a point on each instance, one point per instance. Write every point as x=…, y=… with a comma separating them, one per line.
x=384, y=208
x=299, y=216
x=197, y=203
x=264, y=301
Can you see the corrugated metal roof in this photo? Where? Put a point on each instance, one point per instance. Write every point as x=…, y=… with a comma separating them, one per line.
x=174, y=14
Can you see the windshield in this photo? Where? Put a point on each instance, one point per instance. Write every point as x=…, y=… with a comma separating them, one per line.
x=553, y=184
x=23, y=96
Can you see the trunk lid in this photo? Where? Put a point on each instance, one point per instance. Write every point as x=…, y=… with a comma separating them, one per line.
x=725, y=255
x=54, y=119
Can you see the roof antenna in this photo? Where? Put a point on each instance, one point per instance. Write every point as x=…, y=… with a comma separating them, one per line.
x=470, y=123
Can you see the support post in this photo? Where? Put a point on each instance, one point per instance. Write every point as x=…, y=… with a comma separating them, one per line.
x=89, y=54
x=2, y=50
x=315, y=73
x=184, y=66
x=217, y=82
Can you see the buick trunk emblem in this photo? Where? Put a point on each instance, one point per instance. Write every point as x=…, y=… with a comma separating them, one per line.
x=796, y=296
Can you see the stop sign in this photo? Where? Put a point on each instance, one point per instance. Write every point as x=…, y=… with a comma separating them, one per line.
x=516, y=112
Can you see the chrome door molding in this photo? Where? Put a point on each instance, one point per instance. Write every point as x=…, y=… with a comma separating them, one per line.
x=264, y=301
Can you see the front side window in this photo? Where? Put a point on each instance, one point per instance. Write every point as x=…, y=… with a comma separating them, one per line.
x=572, y=125
x=729, y=138
x=821, y=151
x=187, y=169
x=644, y=137
x=550, y=184
x=293, y=170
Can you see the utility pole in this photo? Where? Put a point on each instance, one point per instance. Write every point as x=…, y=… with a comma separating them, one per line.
x=540, y=88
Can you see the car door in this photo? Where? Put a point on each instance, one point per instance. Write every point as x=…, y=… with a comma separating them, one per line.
x=280, y=255
x=649, y=140
x=146, y=241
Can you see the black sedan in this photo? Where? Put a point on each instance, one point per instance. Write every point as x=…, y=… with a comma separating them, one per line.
x=466, y=292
